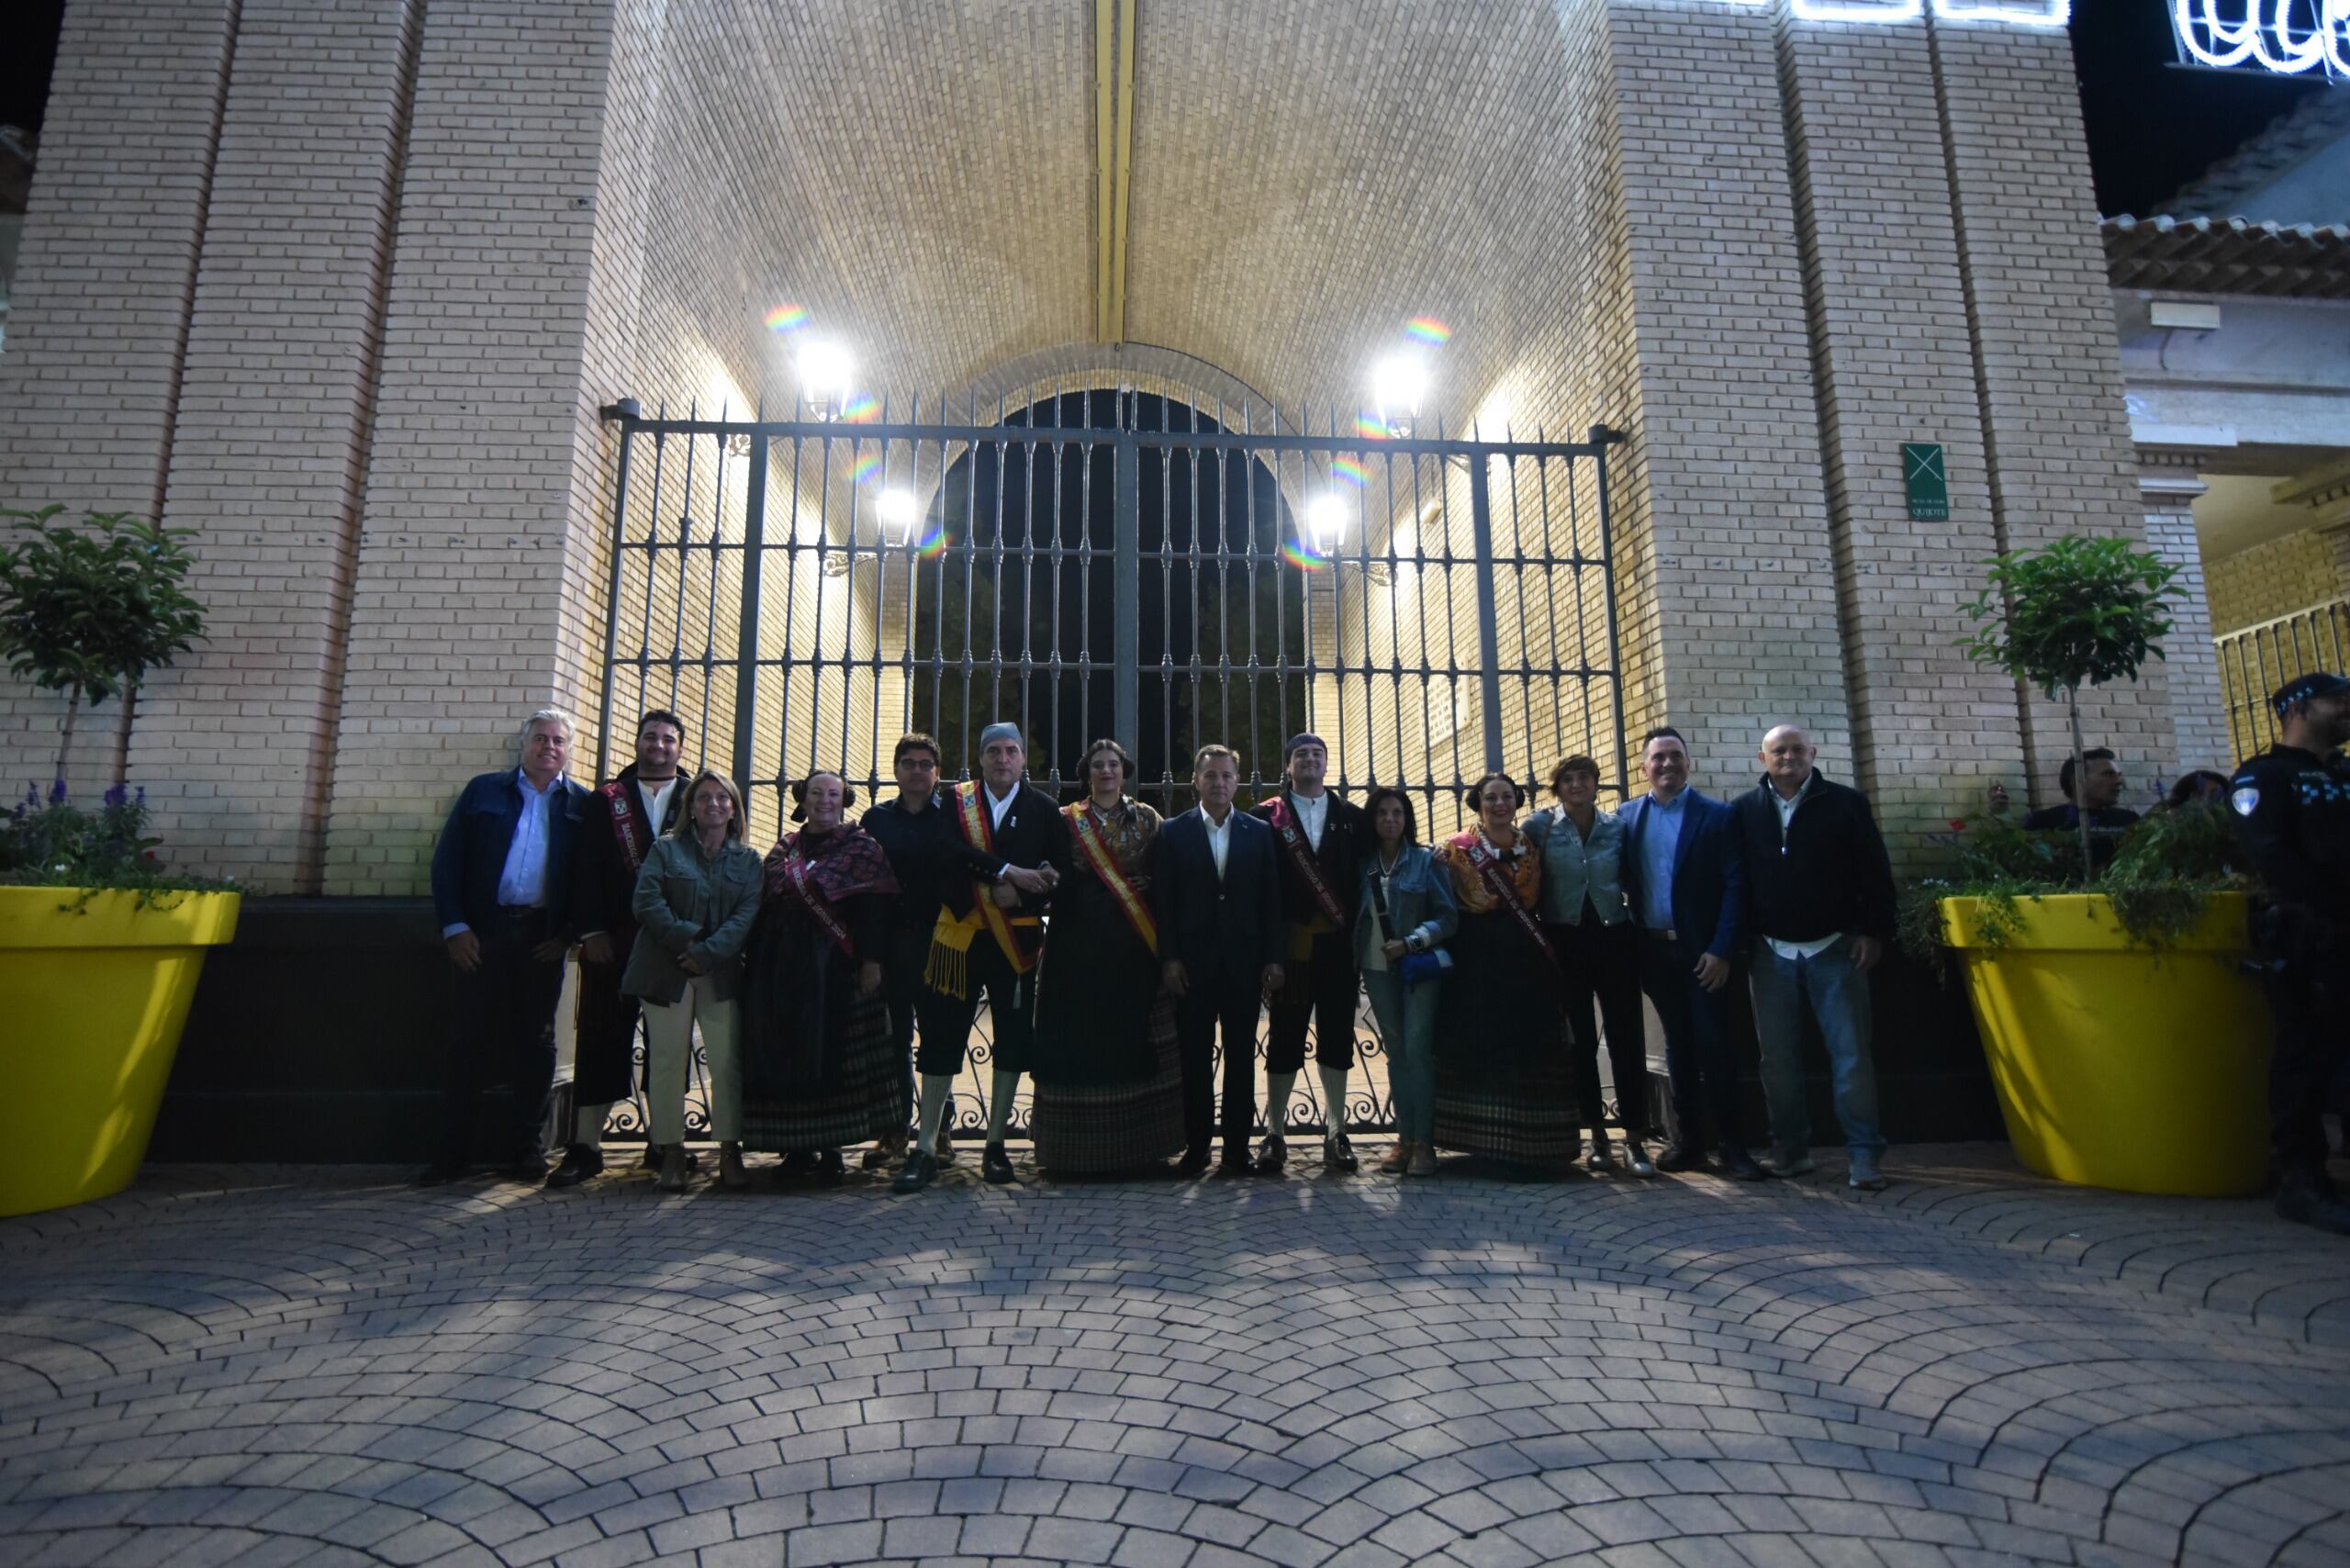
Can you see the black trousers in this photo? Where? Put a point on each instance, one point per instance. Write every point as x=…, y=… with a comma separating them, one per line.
x=504, y=1034
x=1697, y=1042
x=603, y=1064
x=946, y=1021
x=903, y=989
x=1602, y=964
x=1219, y=998
x=1325, y=993
x=2312, y=1043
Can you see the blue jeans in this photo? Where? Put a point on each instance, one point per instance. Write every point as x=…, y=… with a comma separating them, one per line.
x=1406, y=1017
x=1838, y=996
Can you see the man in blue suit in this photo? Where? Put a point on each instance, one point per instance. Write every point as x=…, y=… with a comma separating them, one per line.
x=1216, y=896
x=1686, y=879
x=500, y=885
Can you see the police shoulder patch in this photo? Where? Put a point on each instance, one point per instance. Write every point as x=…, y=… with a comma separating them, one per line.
x=2245, y=798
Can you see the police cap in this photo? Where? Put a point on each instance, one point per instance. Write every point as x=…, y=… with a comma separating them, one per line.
x=2301, y=687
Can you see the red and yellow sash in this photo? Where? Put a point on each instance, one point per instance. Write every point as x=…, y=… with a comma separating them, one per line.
x=1020, y=937
x=1497, y=882
x=796, y=867
x=1091, y=844
x=629, y=826
x=1302, y=861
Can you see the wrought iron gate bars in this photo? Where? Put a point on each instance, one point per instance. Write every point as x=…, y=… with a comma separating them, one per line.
x=825, y=661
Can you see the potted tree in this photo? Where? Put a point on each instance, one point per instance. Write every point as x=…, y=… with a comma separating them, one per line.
x=2127, y=1046
x=100, y=944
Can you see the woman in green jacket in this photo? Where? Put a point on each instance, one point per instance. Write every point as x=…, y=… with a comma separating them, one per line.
x=694, y=901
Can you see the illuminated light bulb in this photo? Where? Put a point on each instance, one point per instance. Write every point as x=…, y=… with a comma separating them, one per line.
x=825, y=370
x=899, y=511
x=1326, y=522
x=1398, y=385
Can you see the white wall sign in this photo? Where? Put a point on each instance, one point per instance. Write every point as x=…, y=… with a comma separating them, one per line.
x=2290, y=37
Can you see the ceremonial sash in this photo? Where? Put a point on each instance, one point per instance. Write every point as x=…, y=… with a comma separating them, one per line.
x=1105, y=866
x=623, y=816
x=796, y=869
x=1300, y=858
x=1020, y=937
x=1489, y=866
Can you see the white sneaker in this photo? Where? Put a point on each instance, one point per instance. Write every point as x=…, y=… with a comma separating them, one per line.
x=1865, y=1173
x=1787, y=1162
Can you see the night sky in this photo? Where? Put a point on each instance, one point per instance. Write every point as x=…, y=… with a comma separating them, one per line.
x=2152, y=126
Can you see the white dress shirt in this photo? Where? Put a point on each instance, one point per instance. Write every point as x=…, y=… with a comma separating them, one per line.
x=997, y=808
x=654, y=799
x=1312, y=815
x=1219, y=838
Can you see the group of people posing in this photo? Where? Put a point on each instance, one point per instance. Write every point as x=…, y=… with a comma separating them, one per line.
x=835, y=982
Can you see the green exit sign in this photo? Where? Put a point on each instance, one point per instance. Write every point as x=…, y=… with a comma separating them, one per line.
x=1927, y=481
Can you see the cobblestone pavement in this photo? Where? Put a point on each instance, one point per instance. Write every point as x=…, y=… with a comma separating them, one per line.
x=273, y=1365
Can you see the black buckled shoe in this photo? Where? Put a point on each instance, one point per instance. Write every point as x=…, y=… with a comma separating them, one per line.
x=579, y=1162
x=831, y=1170
x=1271, y=1155
x=920, y=1170
x=1193, y=1164
x=995, y=1166
x=1739, y=1165
x=1678, y=1157
x=1339, y=1154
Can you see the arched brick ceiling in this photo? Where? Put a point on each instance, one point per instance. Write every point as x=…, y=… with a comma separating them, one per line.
x=921, y=178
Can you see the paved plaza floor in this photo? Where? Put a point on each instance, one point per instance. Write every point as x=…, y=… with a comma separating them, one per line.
x=321, y=1365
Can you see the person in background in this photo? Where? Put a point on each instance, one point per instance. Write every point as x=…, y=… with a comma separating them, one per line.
x=1590, y=927
x=2202, y=787
x=818, y=1065
x=2097, y=790
x=1404, y=911
x=696, y=901
x=1109, y=1078
x=2293, y=811
x=1820, y=904
x=501, y=891
x=1504, y=1085
x=631, y=814
x=1686, y=881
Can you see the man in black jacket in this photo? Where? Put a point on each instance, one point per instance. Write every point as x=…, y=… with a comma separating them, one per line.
x=987, y=934
x=1320, y=839
x=626, y=815
x=1215, y=894
x=1820, y=890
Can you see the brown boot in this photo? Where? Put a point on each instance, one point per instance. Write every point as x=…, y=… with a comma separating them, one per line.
x=1397, y=1157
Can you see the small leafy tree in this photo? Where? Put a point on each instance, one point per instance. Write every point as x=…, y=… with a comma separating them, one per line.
x=2080, y=612
x=88, y=612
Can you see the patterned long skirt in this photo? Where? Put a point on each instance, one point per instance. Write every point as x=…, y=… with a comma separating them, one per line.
x=1505, y=1081
x=801, y=994
x=1097, y=1128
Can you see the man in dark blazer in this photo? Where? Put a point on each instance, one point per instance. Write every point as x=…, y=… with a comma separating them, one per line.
x=626, y=816
x=988, y=934
x=1319, y=839
x=501, y=889
x=1215, y=894
x=1686, y=883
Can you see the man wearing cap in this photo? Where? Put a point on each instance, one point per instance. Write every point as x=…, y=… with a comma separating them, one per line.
x=1320, y=839
x=988, y=935
x=2292, y=810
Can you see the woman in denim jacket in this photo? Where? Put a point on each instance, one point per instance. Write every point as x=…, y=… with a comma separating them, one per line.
x=694, y=903
x=1404, y=906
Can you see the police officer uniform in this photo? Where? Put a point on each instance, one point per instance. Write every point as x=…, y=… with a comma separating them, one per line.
x=2293, y=811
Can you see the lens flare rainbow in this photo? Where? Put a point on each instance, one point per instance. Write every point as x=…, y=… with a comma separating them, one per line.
x=787, y=317
x=1427, y=330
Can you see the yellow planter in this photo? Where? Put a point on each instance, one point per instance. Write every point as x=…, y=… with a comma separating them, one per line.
x=2117, y=1066
x=92, y=1004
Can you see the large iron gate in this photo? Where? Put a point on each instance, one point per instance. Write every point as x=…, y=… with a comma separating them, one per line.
x=1113, y=563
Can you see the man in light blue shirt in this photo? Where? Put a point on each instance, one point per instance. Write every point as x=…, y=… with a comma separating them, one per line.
x=501, y=877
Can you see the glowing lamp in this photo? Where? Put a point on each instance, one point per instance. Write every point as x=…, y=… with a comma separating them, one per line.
x=824, y=372
x=1398, y=385
x=1326, y=522
x=899, y=511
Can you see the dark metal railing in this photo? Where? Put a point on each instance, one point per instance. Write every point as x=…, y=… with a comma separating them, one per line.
x=802, y=591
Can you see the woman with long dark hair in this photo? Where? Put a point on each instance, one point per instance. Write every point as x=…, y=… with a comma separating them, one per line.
x=818, y=1067
x=1109, y=1080
x=1503, y=1080
x=1405, y=912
